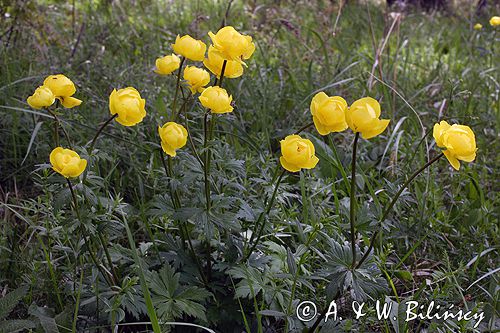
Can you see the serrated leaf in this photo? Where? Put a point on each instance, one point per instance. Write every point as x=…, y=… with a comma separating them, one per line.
x=9, y=301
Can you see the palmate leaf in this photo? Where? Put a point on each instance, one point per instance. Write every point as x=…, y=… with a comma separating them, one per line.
x=9, y=301
x=173, y=300
x=364, y=283
x=18, y=325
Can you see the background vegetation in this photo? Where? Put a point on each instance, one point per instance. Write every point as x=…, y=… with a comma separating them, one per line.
x=440, y=243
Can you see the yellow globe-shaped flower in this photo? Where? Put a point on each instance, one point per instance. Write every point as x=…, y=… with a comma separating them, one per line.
x=67, y=162
x=128, y=105
x=196, y=78
x=41, y=98
x=495, y=21
x=167, y=64
x=297, y=153
x=216, y=99
x=328, y=113
x=189, y=48
x=363, y=117
x=214, y=63
x=231, y=45
x=459, y=141
x=173, y=136
x=63, y=89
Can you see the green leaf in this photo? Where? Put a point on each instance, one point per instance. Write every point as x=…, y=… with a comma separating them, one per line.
x=9, y=301
x=12, y=326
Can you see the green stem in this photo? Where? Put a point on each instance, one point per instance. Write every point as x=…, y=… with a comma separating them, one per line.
x=391, y=204
x=57, y=124
x=177, y=204
x=92, y=144
x=83, y=232
x=303, y=128
x=206, y=164
x=174, y=103
x=144, y=286
x=108, y=258
x=353, y=199
x=223, y=69
x=261, y=216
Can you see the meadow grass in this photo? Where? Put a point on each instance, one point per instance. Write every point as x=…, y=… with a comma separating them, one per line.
x=440, y=242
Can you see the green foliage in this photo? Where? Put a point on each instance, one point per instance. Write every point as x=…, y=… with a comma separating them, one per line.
x=440, y=241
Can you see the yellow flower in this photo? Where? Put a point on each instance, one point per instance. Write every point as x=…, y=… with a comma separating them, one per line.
x=42, y=97
x=128, y=105
x=478, y=26
x=328, y=113
x=495, y=21
x=214, y=63
x=231, y=45
x=189, y=48
x=459, y=141
x=63, y=89
x=196, y=78
x=167, y=64
x=216, y=99
x=363, y=116
x=173, y=136
x=67, y=162
x=297, y=153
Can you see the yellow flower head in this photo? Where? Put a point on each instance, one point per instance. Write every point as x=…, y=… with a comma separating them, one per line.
x=67, y=162
x=459, y=141
x=63, y=89
x=216, y=99
x=42, y=97
x=173, y=136
x=363, y=116
x=196, y=78
x=328, y=113
x=231, y=45
x=495, y=21
x=478, y=26
x=167, y=64
x=128, y=105
x=297, y=153
x=214, y=63
x=189, y=47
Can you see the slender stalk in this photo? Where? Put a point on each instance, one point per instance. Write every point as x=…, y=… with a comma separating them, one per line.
x=303, y=128
x=174, y=103
x=57, y=124
x=264, y=213
x=206, y=165
x=223, y=69
x=144, y=286
x=83, y=232
x=391, y=204
x=353, y=199
x=177, y=204
x=77, y=305
x=92, y=144
x=108, y=257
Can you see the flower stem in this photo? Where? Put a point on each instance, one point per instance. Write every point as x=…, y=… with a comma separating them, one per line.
x=303, y=128
x=84, y=234
x=57, y=124
x=99, y=131
x=223, y=69
x=261, y=216
x=177, y=204
x=177, y=85
x=391, y=204
x=353, y=199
